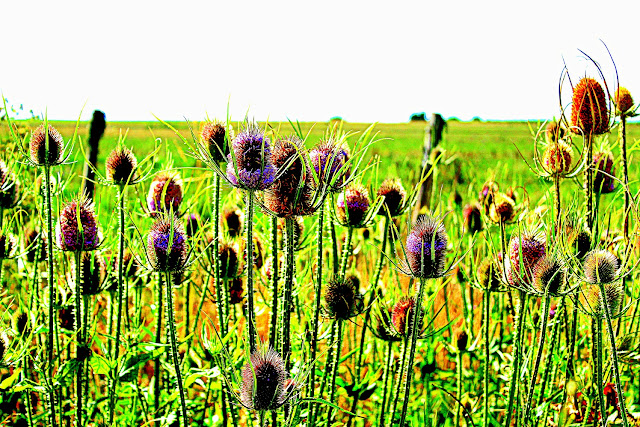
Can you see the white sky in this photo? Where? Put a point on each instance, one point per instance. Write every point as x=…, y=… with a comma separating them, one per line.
x=365, y=60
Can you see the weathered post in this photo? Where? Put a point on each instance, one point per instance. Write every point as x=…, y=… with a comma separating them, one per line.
x=98, y=125
x=432, y=137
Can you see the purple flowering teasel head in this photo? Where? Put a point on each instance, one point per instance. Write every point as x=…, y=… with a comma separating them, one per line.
x=426, y=248
x=168, y=184
x=249, y=164
x=330, y=162
x=352, y=205
x=83, y=235
x=167, y=245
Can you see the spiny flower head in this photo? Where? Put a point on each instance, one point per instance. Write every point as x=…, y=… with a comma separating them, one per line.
x=503, y=208
x=554, y=132
x=232, y=220
x=342, y=299
x=604, y=178
x=252, y=151
x=236, y=290
x=524, y=252
x=93, y=272
x=120, y=166
x=557, y=157
x=228, y=259
x=601, y=266
x=352, y=205
x=170, y=185
x=589, y=111
x=329, y=160
x=612, y=297
x=9, y=187
x=214, y=136
x=394, y=196
x=4, y=345
x=623, y=101
x=46, y=146
x=263, y=381
x=403, y=314
x=167, y=245
x=82, y=236
x=472, y=216
x=8, y=245
x=489, y=274
x=426, y=248
x=549, y=274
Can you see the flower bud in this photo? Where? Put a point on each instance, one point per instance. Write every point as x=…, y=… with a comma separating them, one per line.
x=589, y=110
x=46, y=146
x=263, y=381
x=426, y=248
x=167, y=245
x=394, y=196
x=352, y=205
x=168, y=184
x=74, y=236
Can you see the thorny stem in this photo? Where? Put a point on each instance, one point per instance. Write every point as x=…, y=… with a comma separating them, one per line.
x=346, y=252
x=171, y=323
x=400, y=377
x=251, y=316
x=517, y=354
x=459, y=385
x=588, y=183
x=487, y=355
x=385, y=383
x=625, y=174
x=317, y=296
x=50, y=273
x=597, y=324
x=79, y=338
x=552, y=347
x=287, y=299
x=544, y=314
x=273, y=329
x=556, y=199
x=157, y=373
x=337, y=349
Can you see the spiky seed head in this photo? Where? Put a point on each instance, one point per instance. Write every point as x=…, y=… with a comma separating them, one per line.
x=4, y=345
x=554, y=132
x=383, y=327
x=228, y=259
x=9, y=187
x=403, y=315
x=46, y=146
x=549, y=274
x=462, y=340
x=67, y=318
x=613, y=298
x=121, y=166
x=214, y=136
x=352, y=205
x=236, y=290
x=192, y=224
x=580, y=241
x=93, y=272
x=503, y=208
x=557, y=157
x=74, y=236
x=623, y=101
x=472, y=216
x=263, y=381
x=426, y=248
x=601, y=266
x=342, y=299
x=8, y=245
x=589, y=110
x=169, y=184
x=329, y=160
x=167, y=231
x=604, y=178
x=394, y=196
x=252, y=151
x=22, y=322
x=489, y=274
x=232, y=220
x=524, y=252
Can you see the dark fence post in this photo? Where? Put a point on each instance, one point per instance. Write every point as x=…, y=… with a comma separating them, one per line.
x=98, y=125
x=432, y=137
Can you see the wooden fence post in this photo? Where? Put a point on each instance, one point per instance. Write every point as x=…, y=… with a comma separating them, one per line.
x=98, y=125
x=432, y=137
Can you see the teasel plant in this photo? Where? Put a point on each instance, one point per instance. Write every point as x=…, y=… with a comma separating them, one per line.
x=602, y=298
x=8, y=249
x=121, y=171
x=78, y=231
x=10, y=190
x=47, y=149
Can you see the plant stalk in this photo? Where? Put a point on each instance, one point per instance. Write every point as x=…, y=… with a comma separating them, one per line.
x=517, y=354
x=251, y=315
x=544, y=314
x=52, y=297
x=171, y=323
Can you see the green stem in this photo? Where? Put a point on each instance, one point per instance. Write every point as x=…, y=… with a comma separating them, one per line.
x=171, y=323
x=52, y=297
x=552, y=348
x=273, y=327
x=625, y=177
x=459, y=386
x=251, y=316
x=79, y=337
x=598, y=359
x=385, y=383
x=517, y=354
x=544, y=314
x=287, y=299
x=346, y=252
x=588, y=182
x=158, y=365
x=334, y=245
x=400, y=377
x=337, y=350
x=487, y=355
x=556, y=200
x=614, y=359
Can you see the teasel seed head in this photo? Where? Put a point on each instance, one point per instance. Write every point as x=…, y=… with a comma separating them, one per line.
x=214, y=136
x=45, y=153
x=489, y=272
x=554, y=132
x=162, y=257
x=263, y=381
x=604, y=177
x=85, y=236
x=426, y=248
x=93, y=273
x=472, y=216
x=402, y=316
x=613, y=298
x=549, y=274
x=236, y=290
x=342, y=299
x=228, y=259
x=601, y=266
x=580, y=241
x=121, y=166
x=589, y=110
x=329, y=160
x=4, y=345
x=503, y=209
x=352, y=205
x=9, y=187
x=22, y=323
x=557, y=157
x=232, y=220
x=394, y=196
x=524, y=252
x=172, y=193
x=623, y=101
x=462, y=340
x=252, y=151
x=8, y=245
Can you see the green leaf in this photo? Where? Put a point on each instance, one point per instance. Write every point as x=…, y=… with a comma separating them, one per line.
x=8, y=382
x=99, y=364
x=65, y=374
